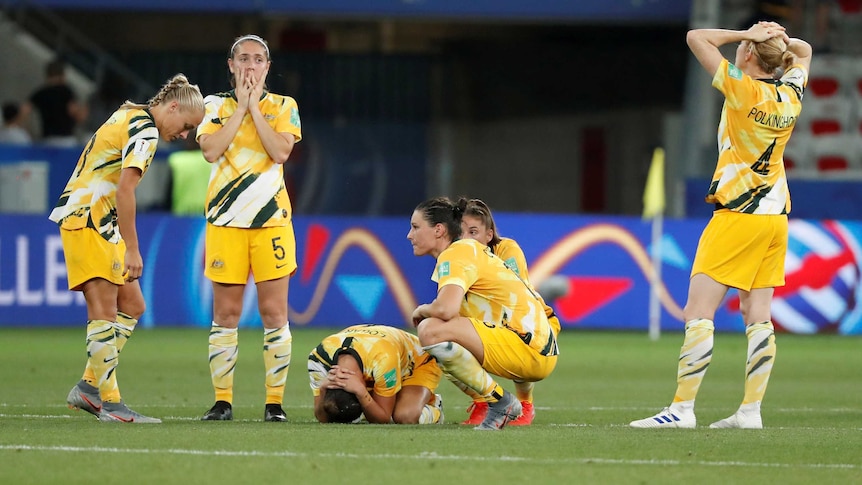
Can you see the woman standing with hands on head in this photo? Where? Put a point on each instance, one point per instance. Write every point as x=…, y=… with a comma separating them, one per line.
x=96, y=215
x=745, y=242
x=248, y=135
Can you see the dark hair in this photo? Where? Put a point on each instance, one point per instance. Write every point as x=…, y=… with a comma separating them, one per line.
x=479, y=209
x=10, y=111
x=341, y=406
x=441, y=210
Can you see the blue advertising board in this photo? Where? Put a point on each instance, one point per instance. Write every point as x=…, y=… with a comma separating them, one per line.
x=354, y=270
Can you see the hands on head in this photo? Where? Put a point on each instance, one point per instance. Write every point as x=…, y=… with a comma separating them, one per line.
x=763, y=31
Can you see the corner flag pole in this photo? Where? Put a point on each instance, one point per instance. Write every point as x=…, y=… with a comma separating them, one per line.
x=654, y=204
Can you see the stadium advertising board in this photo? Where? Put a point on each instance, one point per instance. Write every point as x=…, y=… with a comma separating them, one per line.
x=354, y=270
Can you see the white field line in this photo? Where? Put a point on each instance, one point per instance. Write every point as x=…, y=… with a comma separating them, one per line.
x=421, y=456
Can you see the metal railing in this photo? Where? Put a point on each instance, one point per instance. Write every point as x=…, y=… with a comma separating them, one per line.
x=74, y=46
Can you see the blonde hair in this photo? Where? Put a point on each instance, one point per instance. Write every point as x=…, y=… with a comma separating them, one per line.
x=178, y=88
x=772, y=54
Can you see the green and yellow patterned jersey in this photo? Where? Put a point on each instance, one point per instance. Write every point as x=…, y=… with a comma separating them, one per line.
x=511, y=253
x=494, y=293
x=757, y=119
x=387, y=356
x=246, y=187
x=128, y=139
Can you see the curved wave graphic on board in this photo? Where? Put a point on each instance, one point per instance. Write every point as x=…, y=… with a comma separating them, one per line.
x=578, y=241
x=374, y=248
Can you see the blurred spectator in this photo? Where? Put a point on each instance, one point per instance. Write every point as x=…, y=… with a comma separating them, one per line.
x=111, y=93
x=190, y=175
x=13, y=131
x=59, y=110
x=785, y=12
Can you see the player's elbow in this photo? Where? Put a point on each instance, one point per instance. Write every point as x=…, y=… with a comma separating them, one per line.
x=211, y=156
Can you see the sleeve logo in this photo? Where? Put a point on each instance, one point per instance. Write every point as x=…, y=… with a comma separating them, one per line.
x=142, y=148
x=734, y=72
x=294, y=118
x=513, y=265
x=443, y=269
x=390, y=378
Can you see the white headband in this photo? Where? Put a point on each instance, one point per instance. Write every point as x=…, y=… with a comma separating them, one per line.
x=250, y=37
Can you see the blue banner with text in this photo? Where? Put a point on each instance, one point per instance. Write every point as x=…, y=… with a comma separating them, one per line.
x=354, y=270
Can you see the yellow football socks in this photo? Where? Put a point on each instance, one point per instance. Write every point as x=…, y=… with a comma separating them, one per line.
x=694, y=358
x=124, y=327
x=430, y=415
x=276, y=359
x=222, y=355
x=761, y=355
x=102, y=358
x=463, y=366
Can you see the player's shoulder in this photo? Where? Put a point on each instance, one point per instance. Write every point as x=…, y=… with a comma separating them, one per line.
x=135, y=120
x=218, y=98
x=508, y=244
x=281, y=100
x=464, y=247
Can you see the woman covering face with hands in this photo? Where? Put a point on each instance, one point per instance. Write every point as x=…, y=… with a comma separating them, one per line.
x=248, y=134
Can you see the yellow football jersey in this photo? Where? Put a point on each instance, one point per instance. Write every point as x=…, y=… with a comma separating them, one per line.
x=757, y=119
x=511, y=253
x=128, y=139
x=388, y=356
x=494, y=293
x=246, y=186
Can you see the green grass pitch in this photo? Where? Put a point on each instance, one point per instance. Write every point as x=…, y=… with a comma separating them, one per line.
x=812, y=417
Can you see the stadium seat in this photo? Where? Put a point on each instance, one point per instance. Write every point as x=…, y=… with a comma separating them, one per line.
x=826, y=116
x=797, y=154
x=850, y=7
x=846, y=31
x=836, y=153
x=830, y=76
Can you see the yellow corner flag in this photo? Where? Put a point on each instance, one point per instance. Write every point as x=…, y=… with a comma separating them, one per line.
x=654, y=191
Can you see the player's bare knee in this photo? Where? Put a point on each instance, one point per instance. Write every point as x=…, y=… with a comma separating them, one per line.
x=403, y=416
x=429, y=332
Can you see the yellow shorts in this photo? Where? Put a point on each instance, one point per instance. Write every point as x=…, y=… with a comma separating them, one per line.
x=88, y=255
x=426, y=373
x=507, y=356
x=743, y=251
x=232, y=253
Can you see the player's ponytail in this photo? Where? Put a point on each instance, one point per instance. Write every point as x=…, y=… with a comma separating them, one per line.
x=178, y=88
